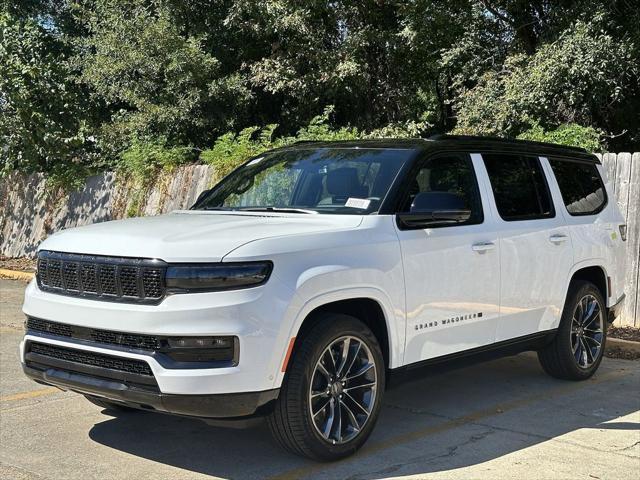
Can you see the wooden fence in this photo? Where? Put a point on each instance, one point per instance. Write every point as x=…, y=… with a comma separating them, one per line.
x=623, y=174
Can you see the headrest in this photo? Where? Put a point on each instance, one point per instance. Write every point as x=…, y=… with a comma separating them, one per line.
x=343, y=182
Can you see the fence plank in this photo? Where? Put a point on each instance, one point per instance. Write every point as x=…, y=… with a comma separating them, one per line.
x=631, y=311
x=609, y=165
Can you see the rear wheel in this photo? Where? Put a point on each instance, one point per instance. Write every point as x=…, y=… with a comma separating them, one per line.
x=331, y=395
x=577, y=350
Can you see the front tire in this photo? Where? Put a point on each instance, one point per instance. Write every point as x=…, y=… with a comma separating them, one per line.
x=578, y=347
x=332, y=392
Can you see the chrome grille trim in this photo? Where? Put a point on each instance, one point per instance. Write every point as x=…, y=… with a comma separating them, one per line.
x=117, y=279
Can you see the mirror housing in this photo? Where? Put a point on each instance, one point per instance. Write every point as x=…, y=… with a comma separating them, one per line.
x=431, y=209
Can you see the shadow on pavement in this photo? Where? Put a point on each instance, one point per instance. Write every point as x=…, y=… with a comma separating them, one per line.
x=494, y=408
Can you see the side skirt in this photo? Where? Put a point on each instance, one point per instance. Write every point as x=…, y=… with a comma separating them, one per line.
x=470, y=357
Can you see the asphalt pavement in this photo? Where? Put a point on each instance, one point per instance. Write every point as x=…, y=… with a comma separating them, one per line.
x=498, y=420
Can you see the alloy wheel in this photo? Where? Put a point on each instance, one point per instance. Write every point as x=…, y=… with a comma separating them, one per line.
x=587, y=331
x=343, y=388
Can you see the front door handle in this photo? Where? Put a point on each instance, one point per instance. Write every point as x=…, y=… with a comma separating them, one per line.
x=558, y=239
x=483, y=247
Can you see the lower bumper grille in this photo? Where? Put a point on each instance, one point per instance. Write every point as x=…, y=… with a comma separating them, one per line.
x=92, y=359
x=123, y=339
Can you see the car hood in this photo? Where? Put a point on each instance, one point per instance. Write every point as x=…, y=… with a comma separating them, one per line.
x=190, y=236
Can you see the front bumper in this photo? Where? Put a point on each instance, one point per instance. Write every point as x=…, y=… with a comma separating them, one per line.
x=616, y=309
x=139, y=390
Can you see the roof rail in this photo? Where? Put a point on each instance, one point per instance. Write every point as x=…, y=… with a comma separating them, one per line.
x=441, y=136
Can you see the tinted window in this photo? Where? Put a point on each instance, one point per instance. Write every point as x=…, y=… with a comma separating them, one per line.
x=581, y=187
x=519, y=186
x=451, y=174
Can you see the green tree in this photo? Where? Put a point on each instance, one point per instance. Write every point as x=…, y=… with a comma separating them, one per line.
x=43, y=120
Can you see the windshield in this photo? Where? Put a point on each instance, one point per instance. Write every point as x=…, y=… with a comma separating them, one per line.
x=326, y=180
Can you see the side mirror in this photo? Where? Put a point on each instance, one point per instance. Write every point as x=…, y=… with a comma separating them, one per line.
x=430, y=209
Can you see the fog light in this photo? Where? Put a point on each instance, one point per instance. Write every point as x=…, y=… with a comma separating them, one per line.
x=201, y=342
x=203, y=349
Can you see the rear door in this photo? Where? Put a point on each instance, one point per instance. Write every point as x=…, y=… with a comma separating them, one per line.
x=452, y=273
x=535, y=246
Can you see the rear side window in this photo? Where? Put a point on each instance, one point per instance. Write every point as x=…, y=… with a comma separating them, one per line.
x=582, y=189
x=519, y=186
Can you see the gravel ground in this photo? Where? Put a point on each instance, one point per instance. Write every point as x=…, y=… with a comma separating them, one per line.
x=625, y=333
x=23, y=264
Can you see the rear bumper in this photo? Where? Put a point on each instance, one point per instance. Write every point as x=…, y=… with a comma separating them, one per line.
x=616, y=309
x=230, y=405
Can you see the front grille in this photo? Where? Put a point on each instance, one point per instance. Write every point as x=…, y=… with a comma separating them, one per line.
x=106, y=278
x=131, y=340
x=83, y=357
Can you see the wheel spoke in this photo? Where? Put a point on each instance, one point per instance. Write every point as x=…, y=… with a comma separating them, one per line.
x=321, y=409
x=360, y=372
x=364, y=385
x=588, y=354
x=343, y=358
x=352, y=418
x=319, y=394
x=591, y=339
x=578, y=313
x=339, y=427
x=329, y=421
x=324, y=371
x=364, y=410
x=333, y=360
x=577, y=353
x=592, y=315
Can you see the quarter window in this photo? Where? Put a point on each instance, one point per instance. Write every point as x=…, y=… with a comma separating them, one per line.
x=581, y=187
x=519, y=186
x=451, y=173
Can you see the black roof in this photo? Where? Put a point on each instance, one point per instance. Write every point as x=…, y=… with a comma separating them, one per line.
x=459, y=142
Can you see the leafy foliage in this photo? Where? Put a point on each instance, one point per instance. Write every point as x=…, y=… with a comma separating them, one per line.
x=568, y=134
x=142, y=84
x=575, y=79
x=42, y=117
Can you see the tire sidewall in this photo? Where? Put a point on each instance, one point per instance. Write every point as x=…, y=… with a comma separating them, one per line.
x=337, y=326
x=577, y=292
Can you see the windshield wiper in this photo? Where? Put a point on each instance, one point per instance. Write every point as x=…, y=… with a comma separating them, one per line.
x=276, y=209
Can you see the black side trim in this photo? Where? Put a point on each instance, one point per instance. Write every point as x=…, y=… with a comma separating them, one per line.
x=466, y=358
x=206, y=406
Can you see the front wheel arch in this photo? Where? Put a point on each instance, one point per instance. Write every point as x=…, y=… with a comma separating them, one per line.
x=365, y=309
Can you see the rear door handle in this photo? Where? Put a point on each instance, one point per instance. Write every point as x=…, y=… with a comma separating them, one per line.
x=483, y=247
x=558, y=239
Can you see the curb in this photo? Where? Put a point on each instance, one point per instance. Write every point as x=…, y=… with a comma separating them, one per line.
x=624, y=345
x=16, y=275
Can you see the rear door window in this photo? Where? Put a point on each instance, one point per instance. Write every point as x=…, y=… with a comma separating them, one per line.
x=582, y=189
x=519, y=186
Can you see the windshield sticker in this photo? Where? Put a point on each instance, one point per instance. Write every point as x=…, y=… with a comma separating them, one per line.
x=254, y=161
x=360, y=203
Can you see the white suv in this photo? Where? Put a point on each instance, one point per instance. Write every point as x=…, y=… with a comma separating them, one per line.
x=310, y=276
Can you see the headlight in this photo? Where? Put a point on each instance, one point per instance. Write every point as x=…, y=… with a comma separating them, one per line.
x=215, y=277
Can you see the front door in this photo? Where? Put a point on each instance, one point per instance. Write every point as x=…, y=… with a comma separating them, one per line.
x=452, y=272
